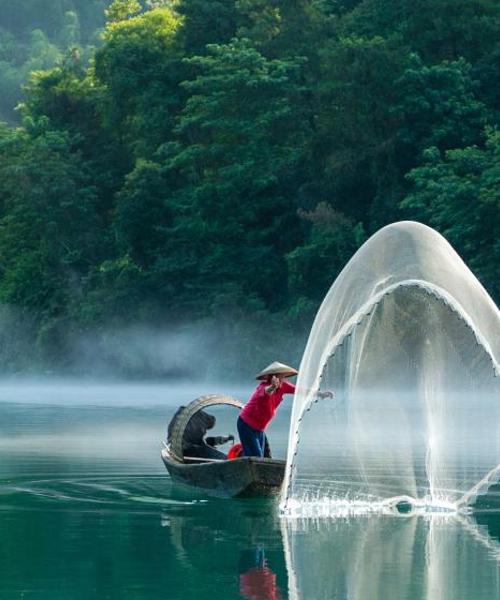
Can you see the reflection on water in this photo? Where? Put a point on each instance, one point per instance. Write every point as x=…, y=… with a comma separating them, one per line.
x=257, y=580
x=378, y=556
x=233, y=547
x=87, y=511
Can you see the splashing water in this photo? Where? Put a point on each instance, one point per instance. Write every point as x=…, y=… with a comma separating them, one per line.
x=409, y=341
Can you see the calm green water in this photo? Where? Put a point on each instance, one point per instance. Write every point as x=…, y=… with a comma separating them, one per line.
x=87, y=510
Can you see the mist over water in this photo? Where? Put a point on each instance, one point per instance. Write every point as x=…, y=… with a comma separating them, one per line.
x=110, y=392
x=87, y=510
x=232, y=348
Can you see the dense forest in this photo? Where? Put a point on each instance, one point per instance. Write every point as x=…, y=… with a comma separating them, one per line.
x=38, y=34
x=199, y=163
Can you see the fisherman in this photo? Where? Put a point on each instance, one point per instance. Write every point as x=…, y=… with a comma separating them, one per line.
x=261, y=408
x=194, y=442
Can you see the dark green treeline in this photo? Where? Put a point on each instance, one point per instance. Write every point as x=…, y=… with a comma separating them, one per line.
x=221, y=160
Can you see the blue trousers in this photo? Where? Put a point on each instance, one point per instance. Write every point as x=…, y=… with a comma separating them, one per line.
x=252, y=440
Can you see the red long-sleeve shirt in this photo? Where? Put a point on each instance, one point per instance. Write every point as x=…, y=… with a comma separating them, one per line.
x=261, y=407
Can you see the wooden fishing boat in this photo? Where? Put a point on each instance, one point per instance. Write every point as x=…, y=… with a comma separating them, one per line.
x=240, y=477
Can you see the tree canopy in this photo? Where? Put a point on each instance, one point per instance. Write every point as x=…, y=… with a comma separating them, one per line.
x=220, y=161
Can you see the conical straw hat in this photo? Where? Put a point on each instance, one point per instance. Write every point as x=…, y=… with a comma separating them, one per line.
x=277, y=368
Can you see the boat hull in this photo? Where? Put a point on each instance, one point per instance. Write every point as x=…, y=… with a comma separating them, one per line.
x=241, y=477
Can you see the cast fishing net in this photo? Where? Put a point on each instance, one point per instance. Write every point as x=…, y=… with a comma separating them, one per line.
x=409, y=341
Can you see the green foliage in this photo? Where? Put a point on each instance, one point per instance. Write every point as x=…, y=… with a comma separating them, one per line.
x=458, y=193
x=438, y=106
x=69, y=101
x=21, y=16
x=70, y=34
x=487, y=74
x=120, y=10
x=38, y=53
x=231, y=174
x=140, y=212
x=438, y=29
x=117, y=293
x=36, y=35
x=354, y=143
x=314, y=265
x=140, y=69
x=50, y=234
x=220, y=161
x=207, y=22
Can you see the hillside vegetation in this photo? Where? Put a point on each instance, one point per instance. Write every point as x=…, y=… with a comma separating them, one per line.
x=220, y=161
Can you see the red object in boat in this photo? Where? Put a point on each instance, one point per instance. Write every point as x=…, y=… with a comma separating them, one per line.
x=235, y=451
